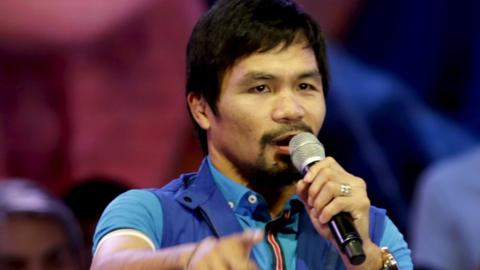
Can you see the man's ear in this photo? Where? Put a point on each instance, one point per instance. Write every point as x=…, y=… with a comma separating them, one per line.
x=199, y=110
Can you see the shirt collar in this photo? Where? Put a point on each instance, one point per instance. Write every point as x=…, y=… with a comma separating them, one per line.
x=233, y=191
x=236, y=194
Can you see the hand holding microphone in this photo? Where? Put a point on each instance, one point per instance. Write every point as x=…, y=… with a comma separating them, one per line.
x=332, y=196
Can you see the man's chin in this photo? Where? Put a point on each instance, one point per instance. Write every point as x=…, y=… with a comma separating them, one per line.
x=273, y=170
x=279, y=179
x=283, y=173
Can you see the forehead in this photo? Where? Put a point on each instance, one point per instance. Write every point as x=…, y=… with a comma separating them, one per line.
x=282, y=60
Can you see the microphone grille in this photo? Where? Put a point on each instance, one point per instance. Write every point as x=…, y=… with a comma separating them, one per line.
x=305, y=149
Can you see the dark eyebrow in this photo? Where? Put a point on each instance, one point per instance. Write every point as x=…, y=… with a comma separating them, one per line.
x=254, y=76
x=314, y=74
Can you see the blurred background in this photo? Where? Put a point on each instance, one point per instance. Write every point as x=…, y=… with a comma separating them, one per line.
x=95, y=90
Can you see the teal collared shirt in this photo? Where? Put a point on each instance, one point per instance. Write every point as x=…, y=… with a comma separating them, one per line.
x=252, y=212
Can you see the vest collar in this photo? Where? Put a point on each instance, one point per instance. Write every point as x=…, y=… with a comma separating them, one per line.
x=201, y=194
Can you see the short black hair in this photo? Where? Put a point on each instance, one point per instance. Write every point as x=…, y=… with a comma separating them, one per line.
x=233, y=29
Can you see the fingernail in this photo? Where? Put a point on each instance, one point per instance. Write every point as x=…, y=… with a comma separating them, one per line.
x=322, y=219
x=300, y=183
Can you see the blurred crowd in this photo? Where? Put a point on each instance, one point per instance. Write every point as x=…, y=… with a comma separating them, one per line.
x=92, y=103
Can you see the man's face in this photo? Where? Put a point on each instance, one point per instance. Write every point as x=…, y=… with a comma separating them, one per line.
x=265, y=99
x=34, y=243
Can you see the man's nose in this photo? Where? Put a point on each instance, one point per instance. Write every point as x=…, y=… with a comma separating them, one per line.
x=288, y=108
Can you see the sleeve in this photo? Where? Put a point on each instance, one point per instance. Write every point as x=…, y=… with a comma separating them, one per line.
x=394, y=240
x=138, y=210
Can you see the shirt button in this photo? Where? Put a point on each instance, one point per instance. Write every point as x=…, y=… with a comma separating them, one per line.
x=252, y=199
x=231, y=204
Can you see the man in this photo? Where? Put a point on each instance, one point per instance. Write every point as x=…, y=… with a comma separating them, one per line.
x=256, y=76
x=37, y=232
x=449, y=240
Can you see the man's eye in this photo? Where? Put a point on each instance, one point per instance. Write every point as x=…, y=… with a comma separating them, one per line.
x=306, y=86
x=260, y=89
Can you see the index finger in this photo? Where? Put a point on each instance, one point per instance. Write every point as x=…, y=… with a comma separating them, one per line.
x=328, y=162
x=250, y=237
x=243, y=243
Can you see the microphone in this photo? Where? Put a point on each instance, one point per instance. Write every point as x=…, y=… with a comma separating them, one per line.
x=305, y=150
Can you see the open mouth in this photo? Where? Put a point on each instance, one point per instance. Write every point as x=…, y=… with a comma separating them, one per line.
x=282, y=142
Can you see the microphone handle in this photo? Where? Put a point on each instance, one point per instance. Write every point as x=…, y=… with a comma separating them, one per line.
x=347, y=237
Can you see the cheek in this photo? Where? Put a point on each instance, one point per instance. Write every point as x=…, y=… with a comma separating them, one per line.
x=243, y=128
x=317, y=116
x=320, y=120
x=240, y=121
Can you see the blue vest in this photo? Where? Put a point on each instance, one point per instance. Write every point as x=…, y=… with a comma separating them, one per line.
x=194, y=208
